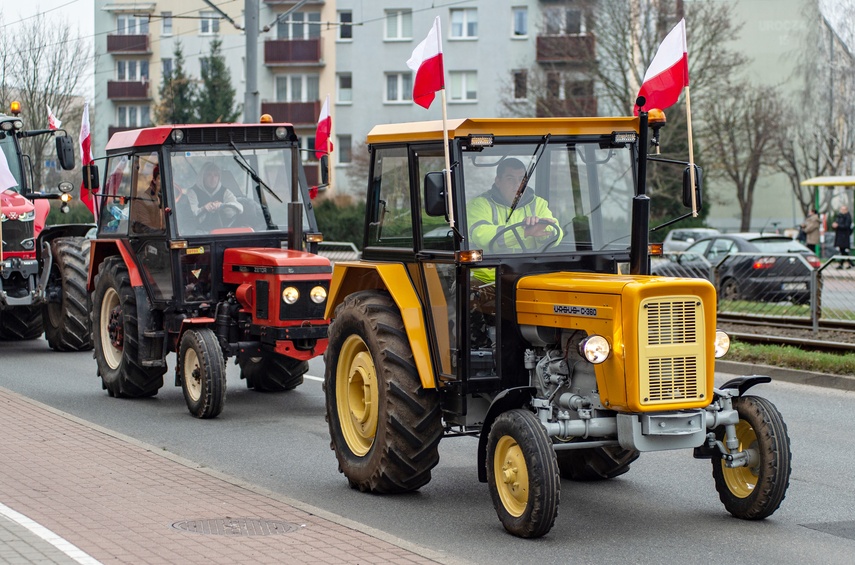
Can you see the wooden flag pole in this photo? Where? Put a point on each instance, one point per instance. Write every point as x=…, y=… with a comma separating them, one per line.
x=691, y=154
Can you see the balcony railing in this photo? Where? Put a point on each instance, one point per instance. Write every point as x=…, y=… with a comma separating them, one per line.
x=580, y=106
x=128, y=44
x=296, y=113
x=127, y=90
x=292, y=52
x=565, y=48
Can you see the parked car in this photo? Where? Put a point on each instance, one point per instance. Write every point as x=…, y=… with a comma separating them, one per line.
x=681, y=238
x=749, y=266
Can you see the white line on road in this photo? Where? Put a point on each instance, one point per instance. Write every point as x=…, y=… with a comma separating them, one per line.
x=311, y=378
x=61, y=544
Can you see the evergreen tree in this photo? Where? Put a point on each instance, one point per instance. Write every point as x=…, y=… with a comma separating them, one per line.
x=216, y=99
x=178, y=94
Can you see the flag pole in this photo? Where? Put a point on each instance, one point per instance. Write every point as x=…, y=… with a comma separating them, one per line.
x=691, y=154
x=449, y=200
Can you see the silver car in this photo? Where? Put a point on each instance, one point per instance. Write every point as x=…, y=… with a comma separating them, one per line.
x=681, y=238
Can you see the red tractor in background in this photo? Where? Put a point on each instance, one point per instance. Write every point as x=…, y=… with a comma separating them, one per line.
x=206, y=247
x=42, y=269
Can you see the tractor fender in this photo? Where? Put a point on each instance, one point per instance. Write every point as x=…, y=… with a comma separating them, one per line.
x=349, y=277
x=186, y=324
x=508, y=399
x=103, y=248
x=742, y=384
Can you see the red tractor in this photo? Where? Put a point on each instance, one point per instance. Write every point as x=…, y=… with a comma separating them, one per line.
x=42, y=269
x=206, y=247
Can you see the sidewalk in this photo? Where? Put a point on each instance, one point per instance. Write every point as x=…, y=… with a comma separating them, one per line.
x=111, y=499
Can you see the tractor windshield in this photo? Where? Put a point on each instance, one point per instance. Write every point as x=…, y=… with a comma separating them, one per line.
x=221, y=191
x=10, y=152
x=581, y=194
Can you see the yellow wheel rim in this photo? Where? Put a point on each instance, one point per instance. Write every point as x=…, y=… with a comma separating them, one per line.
x=192, y=375
x=511, y=476
x=742, y=480
x=357, y=395
x=112, y=354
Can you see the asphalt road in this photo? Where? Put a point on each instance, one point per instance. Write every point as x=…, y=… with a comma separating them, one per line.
x=664, y=510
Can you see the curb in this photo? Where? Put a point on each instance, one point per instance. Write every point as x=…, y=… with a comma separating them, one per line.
x=825, y=380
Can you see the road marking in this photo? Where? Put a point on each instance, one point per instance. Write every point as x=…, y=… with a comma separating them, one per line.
x=311, y=378
x=61, y=544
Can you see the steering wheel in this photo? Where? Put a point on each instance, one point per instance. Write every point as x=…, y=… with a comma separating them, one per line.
x=500, y=233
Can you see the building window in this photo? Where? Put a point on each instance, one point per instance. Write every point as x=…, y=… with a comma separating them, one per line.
x=128, y=24
x=345, y=88
x=209, y=23
x=563, y=21
x=133, y=116
x=204, y=65
x=464, y=86
x=166, y=23
x=299, y=25
x=464, y=23
x=344, y=148
x=345, y=30
x=520, y=21
x=307, y=146
x=297, y=88
x=399, y=24
x=134, y=71
x=520, y=84
x=399, y=87
x=166, y=67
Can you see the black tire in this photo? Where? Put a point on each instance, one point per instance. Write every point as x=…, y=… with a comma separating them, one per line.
x=272, y=372
x=19, y=323
x=385, y=427
x=730, y=290
x=202, y=371
x=753, y=493
x=522, y=474
x=68, y=326
x=114, y=324
x=594, y=464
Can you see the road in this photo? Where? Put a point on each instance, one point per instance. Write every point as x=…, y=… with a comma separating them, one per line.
x=664, y=510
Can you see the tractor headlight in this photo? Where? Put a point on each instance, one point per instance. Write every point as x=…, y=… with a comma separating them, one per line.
x=27, y=216
x=290, y=294
x=722, y=343
x=595, y=348
x=318, y=294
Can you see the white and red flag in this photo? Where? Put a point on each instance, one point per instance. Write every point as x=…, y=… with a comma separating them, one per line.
x=86, y=159
x=426, y=62
x=323, y=145
x=668, y=74
x=7, y=179
x=53, y=121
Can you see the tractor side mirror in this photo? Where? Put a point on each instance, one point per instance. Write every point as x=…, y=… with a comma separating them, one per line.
x=434, y=187
x=90, y=176
x=65, y=152
x=687, y=188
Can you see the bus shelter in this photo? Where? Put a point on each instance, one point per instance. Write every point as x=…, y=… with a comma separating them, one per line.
x=817, y=184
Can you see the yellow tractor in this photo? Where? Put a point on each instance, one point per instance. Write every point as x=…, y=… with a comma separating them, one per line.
x=507, y=296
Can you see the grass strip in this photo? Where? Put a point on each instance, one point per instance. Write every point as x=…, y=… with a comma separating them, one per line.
x=792, y=358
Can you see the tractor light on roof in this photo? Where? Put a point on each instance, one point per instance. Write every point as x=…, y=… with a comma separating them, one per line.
x=15, y=108
x=290, y=295
x=18, y=124
x=595, y=349
x=722, y=343
x=177, y=135
x=623, y=137
x=281, y=132
x=6, y=126
x=318, y=294
x=481, y=140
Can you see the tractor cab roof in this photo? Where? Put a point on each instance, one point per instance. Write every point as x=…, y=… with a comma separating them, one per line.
x=201, y=134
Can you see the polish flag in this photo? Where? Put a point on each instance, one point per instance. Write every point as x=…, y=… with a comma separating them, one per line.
x=323, y=145
x=668, y=74
x=426, y=62
x=53, y=121
x=7, y=179
x=86, y=159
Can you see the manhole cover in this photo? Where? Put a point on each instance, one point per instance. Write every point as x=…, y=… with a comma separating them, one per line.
x=839, y=529
x=236, y=527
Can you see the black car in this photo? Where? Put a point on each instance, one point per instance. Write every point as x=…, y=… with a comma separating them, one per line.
x=747, y=266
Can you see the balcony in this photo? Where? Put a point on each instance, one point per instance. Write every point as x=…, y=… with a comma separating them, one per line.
x=126, y=44
x=127, y=90
x=576, y=106
x=565, y=48
x=279, y=52
x=295, y=113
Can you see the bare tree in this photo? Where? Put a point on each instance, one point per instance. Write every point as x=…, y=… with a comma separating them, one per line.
x=45, y=65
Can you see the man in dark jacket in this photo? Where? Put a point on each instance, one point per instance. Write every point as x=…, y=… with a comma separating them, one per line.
x=843, y=232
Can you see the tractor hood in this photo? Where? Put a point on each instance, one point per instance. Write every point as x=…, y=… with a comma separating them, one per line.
x=238, y=262
x=14, y=205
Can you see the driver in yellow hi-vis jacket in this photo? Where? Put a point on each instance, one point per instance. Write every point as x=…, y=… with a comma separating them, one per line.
x=491, y=229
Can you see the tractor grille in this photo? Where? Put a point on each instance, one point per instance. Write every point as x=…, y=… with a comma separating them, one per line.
x=672, y=350
x=18, y=235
